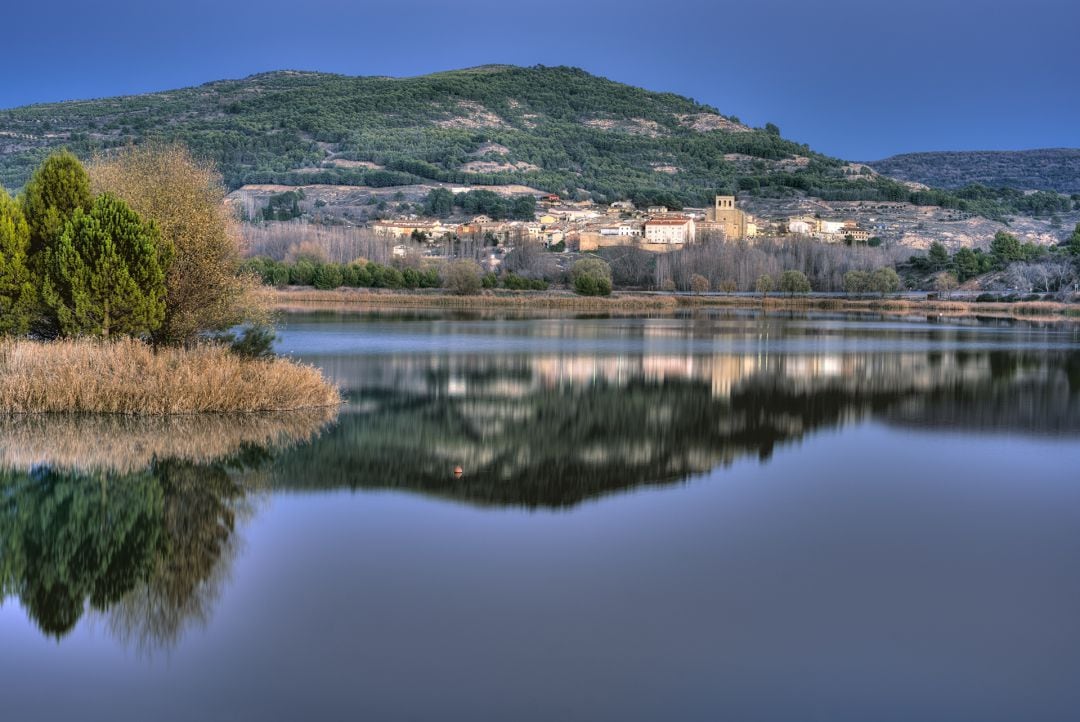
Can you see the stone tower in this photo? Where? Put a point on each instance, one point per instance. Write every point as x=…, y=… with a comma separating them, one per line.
x=729, y=218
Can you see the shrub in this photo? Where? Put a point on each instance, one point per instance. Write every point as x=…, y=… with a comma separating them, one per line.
x=856, y=282
x=699, y=284
x=430, y=278
x=361, y=276
x=885, y=280
x=302, y=273
x=792, y=282
x=463, y=277
x=591, y=277
x=327, y=276
x=385, y=276
x=410, y=278
x=764, y=284
x=945, y=283
x=986, y=298
x=490, y=280
x=255, y=341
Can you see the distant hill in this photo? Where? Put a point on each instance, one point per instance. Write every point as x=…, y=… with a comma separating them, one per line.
x=557, y=129
x=554, y=129
x=1047, y=169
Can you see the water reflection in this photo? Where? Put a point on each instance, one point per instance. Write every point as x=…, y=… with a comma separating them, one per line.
x=134, y=519
x=554, y=430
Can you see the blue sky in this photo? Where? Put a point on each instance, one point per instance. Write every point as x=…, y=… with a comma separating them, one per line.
x=861, y=80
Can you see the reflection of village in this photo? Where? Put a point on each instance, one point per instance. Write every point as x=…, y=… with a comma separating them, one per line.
x=584, y=226
x=723, y=374
x=552, y=429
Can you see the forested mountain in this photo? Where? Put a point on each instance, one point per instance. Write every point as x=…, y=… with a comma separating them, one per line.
x=557, y=129
x=1046, y=169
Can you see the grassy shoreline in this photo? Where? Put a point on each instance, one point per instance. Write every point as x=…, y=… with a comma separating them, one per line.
x=289, y=299
x=130, y=377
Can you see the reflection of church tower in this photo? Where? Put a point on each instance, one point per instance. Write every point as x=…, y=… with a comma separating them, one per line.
x=729, y=218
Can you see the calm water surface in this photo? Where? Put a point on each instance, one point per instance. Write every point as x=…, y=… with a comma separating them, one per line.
x=717, y=516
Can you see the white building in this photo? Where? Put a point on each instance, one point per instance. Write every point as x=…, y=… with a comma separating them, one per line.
x=669, y=230
x=624, y=229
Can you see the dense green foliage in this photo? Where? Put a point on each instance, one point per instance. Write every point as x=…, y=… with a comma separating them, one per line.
x=591, y=277
x=76, y=264
x=306, y=272
x=558, y=129
x=792, y=282
x=441, y=202
x=58, y=187
x=105, y=274
x=17, y=293
x=283, y=206
x=967, y=263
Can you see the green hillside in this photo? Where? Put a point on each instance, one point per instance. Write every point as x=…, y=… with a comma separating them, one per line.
x=558, y=129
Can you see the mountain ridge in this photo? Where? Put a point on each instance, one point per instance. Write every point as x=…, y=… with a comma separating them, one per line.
x=557, y=129
x=1045, y=169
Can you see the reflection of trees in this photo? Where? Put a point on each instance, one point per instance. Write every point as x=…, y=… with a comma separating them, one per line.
x=68, y=539
x=557, y=446
x=148, y=548
x=201, y=505
x=525, y=436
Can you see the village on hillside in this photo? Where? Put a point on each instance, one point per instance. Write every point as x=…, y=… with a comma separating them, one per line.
x=585, y=226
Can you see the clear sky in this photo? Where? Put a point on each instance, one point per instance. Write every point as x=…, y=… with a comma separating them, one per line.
x=858, y=79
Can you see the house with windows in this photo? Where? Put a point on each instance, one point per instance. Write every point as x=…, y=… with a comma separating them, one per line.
x=669, y=230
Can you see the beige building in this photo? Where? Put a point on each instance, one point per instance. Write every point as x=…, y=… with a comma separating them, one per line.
x=729, y=219
x=405, y=228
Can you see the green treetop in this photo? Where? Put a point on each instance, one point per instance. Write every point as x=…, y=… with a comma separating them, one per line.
x=1074, y=242
x=105, y=275
x=1006, y=248
x=58, y=188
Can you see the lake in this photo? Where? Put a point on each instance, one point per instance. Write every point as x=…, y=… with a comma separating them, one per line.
x=716, y=515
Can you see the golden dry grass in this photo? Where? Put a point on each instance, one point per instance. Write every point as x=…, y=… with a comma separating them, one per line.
x=287, y=299
x=127, y=444
x=1031, y=310
x=131, y=377
x=307, y=299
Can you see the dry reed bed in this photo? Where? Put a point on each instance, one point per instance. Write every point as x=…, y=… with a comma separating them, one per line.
x=131, y=377
x=285, y=299
x=1026, y=310
x=306, y=299
x=128, y=444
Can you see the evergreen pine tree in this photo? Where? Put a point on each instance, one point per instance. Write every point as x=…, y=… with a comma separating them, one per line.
x=17, y=295
x=57, y=189
x=105, y=277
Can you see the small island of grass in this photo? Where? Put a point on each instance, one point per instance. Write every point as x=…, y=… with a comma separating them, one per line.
x=120, y=292
x=131, y=377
